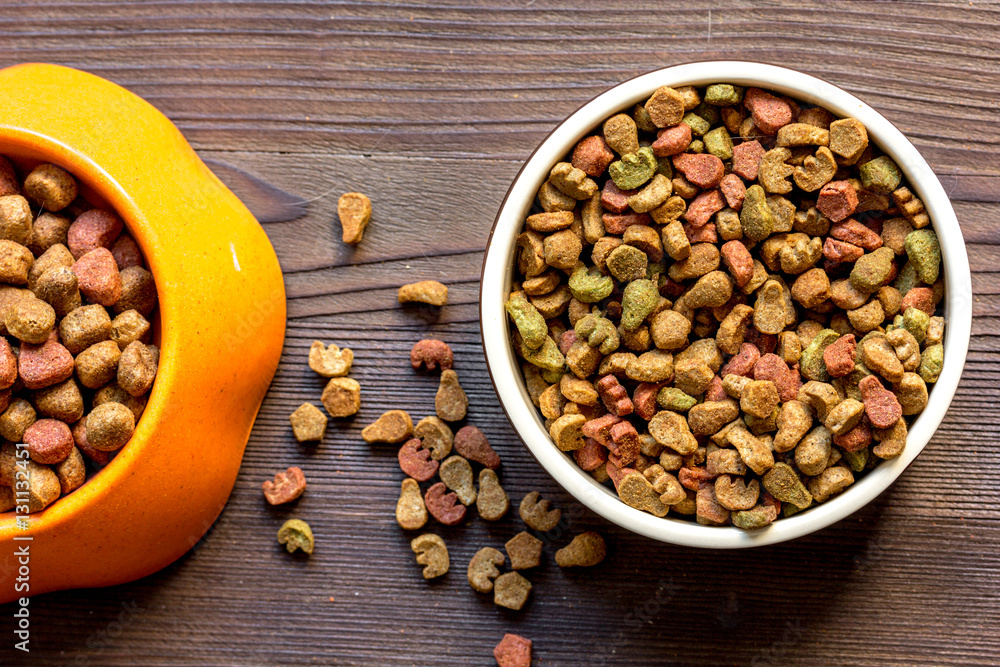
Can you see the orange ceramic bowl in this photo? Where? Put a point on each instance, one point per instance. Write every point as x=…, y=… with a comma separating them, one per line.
x=221, y=328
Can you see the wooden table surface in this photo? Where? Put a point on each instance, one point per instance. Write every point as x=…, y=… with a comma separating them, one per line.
x=431, y=110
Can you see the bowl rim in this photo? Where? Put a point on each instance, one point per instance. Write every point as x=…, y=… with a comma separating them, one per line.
x=504, y=367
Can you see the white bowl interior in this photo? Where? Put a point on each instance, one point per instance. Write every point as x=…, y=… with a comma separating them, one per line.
x=498, y=274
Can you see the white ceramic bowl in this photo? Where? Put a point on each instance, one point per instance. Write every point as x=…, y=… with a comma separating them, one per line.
x=498, y=271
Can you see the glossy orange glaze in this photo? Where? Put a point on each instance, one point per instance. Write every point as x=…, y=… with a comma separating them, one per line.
x=221, y=329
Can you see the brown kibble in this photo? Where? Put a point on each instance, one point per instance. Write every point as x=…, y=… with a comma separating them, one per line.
x=51, y=187
x=483, y=569
x=436, y=436
x=136, y=368
x=109, y=426
x=492, y=502
x=637, y=492
x=561, y=250
x=416, y=461
x=286, y=486
x=44, y=487
x=524, y=551
x=427, y=291
x=811, y=288
x=98, y=277
x=342, y=397
x=585, y=550
x=355, y=212
x=128, y=327
x=535, y=512
x=15, y=262
x=444, y=507
x=456, y=473
x=84, y=327
x=72, y=472
x=97, y=365
x=60, y=289
x=411, y=513
x=665, y=107
x=329, y=362
x=138, y=291
x=450, y=402
x=93, y=229
x=30, y=320
x=511, y=590
x=759, y=398
x=15, y=219
x=432, y=554
x=830, y=482
x=49, y=229
x=64, y=402
x=392, y=427
x=58, y=256
x=49, y=441
x=308, y=423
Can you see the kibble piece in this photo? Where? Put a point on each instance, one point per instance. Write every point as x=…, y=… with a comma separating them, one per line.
x=416, y=461
x=126, y=252
x=44, y=365
x=48, y=230
x=355, y=212
x=880, y=175
x=665, y=107
x=84, y=327
x=511, y=590
x=15, y=219
x=536, y=513
x=44, y=487
x=492, y=502
x=848, y=139
x=127, y=327
x=30, y=320
x=427, y=291
x=136, y=368
x=524, y=550
x=392, y=427
x=49, y=441
x=456, y=473
x=621, y=134
x=51, y=187
x=830, y=482
x=342, y=397
x=15, y=262
x=57, y=256
x=633, y=169
x=430, y=354
x=432, y=553
x=411, y=513
x=64, y=402
x=109, y=426
x=96, y=228
x=98, y=364
x=572, y=181
x=60, y=289
x=329, y=361
x=924, y=250
x=285, y=487
x=450, y=402
x=72, y=472
x=296, y=534
x=443, y=506
x=513, y=651
x=436, y=436
x=585, y=550
x=308, y=423
x=483, y=569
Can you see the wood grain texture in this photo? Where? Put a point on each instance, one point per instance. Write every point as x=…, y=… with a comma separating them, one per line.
x=430, y=109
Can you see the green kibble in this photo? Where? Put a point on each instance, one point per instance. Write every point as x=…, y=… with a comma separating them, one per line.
x=708, y=112
x=671, y=398
x=296, y=534
x=924, y=251
x=590, y=286
x=547, y=356
x=782, y=482
x=719, y=143
x=599, y=332
x=634, y=169
x=811, y=362
x=699, y=125
x=627, y=263
x=552, y=377
x=665, y=166
x=756, y=217
x=916, y=322
x=852, y=379
x=907, y=278
x=722, y=95
x=754, y=518
x=872, y=269
x=696, y=146
x=856, y=461
x=880, y=175
x=931, y=361
x=642, y=119
x=529, y=322
x=638, y=301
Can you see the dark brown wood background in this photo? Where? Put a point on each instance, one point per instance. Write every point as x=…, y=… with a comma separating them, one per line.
x=430, y=110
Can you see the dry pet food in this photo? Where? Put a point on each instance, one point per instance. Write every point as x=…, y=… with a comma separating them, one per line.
x=483, y=569
x=513, y=651
x=286, y=487
x=296, y=534
x=586, y=550
x=355, y=212
x=308, y=423
x=511, y=590
x=330, y=362
x=426, y=291
x=432, y=554
x=724, y=301
x=67, y=268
